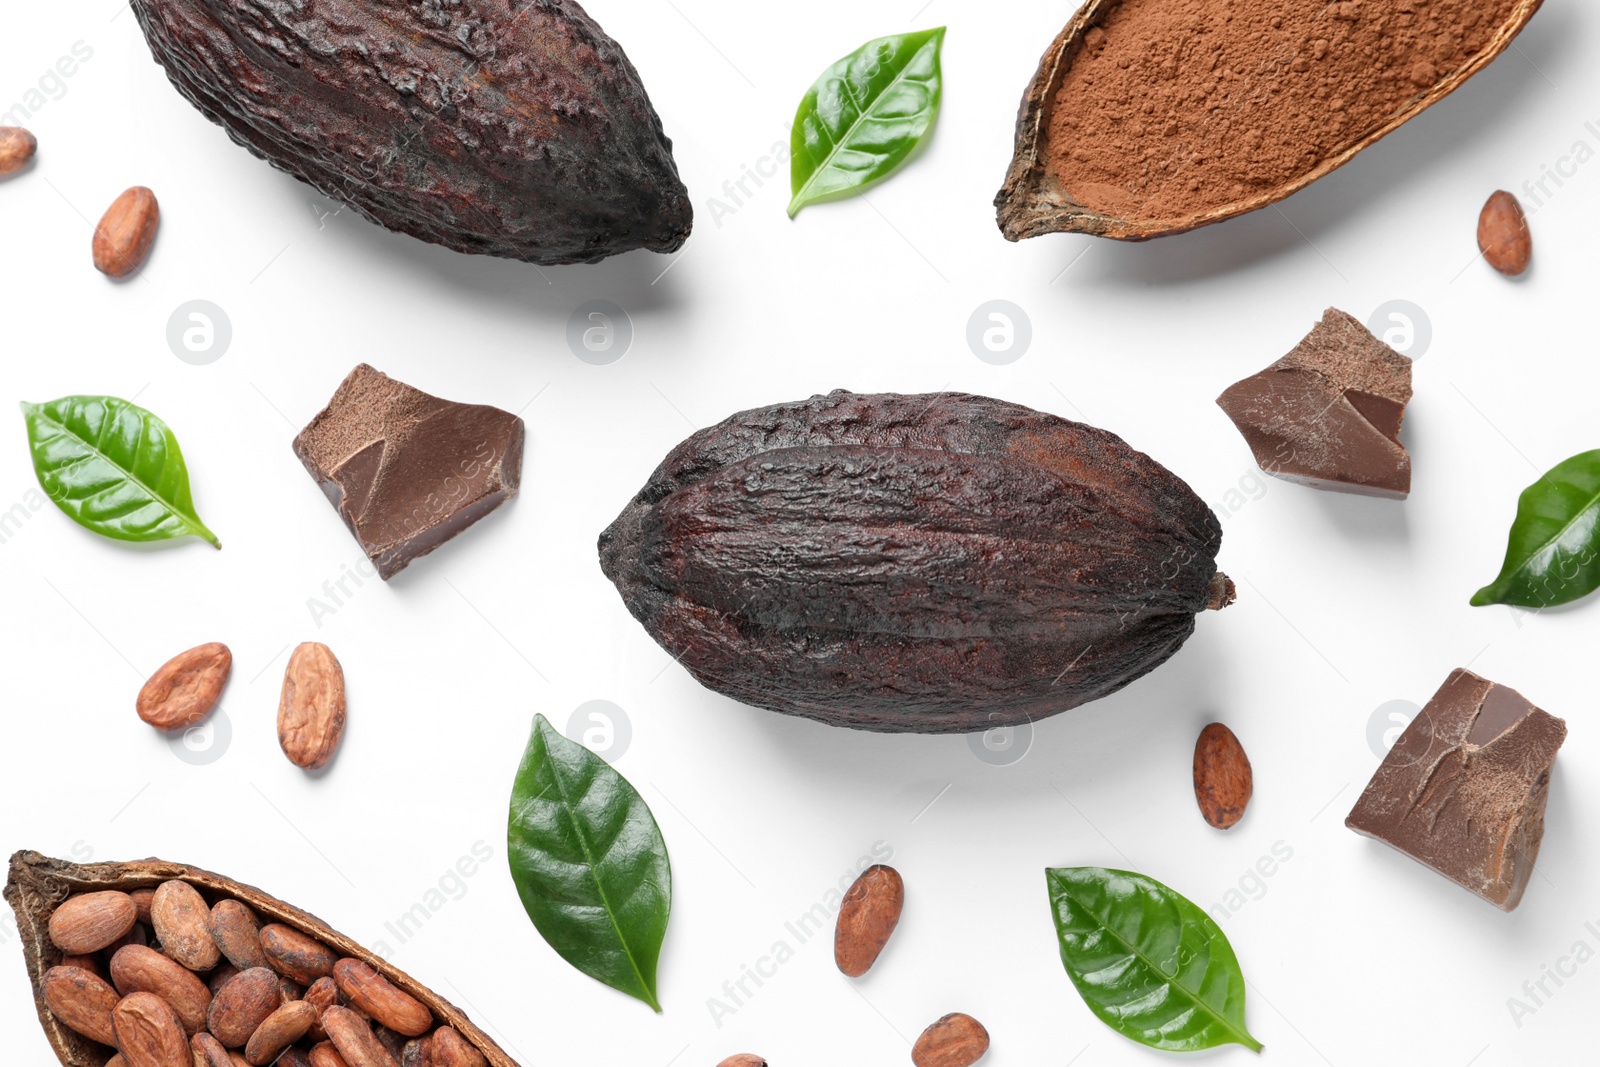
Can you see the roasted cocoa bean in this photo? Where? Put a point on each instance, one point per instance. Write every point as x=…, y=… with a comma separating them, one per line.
x=311, y=707
x=1503, y=235
x=17, y=146
x=867, y=917
x=182, y=923
x=127, y=230
x=357, y=1045
x=954, y=1041
x=242, y=1005
x=278, y=1031
x=450, y=1049
x=372, y=993
x=941, y=563
x=509, y=130
x=294, y=955
x=149, y=1033
x=1223, y=779
x=238, y=934
x=81, y=1000
x=91, y=921
x=208, y=1052
x=137, y=969
x=185, y=688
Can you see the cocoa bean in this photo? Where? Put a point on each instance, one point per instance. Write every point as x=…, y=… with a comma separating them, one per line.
x=137, y=969
x=127, y=230
x=954, y=1041
x=237, y=932
x=242, y=1005
x=182, y=923
x=208, y=1052
x=219, y=976
x=450, y=1049
x=185, y=688
x=294, y=955
x=17, y=146
x=942, y=563
x=89, y=963
x=322, y=994
x=354, y=1040
x=149, y=1033
x=81, y=1000
x=91, y=921
x=142, y=899
x=278, y=1031
x=323, y=1054
x=508, y=130
x=1503, y=235
x=417, y=1053
x=311, y=708
x=867, y=917
x=743, y=1059
x=372, y=993
x=1223, y=780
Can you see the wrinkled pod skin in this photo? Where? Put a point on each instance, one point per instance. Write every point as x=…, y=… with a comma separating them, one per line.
x=933, y=564
x=511, y=128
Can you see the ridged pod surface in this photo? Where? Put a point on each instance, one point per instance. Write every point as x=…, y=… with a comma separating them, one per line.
x=511, y=128
x=934, y=564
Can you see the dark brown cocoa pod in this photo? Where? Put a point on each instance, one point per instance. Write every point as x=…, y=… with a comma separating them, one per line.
x=517, y=130
x=937, y=564
x=37, y=885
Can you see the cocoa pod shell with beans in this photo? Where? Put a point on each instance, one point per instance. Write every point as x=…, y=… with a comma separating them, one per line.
x=1036, y=199
x=505, y=129
x=38, y=885
x=942, y=563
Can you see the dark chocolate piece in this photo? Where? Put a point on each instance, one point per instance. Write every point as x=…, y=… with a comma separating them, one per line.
x=408, y=471
x=1328, y=414
x=1463, y=790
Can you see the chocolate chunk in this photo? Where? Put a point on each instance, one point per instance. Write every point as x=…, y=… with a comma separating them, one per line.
x=1463, y=790
x=408, y=471
x=1328, y=414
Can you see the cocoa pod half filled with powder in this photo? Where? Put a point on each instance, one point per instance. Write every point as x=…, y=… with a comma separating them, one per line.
x=1152, y=117
x=507, y=129
x=247, y=1013
x=935, y=564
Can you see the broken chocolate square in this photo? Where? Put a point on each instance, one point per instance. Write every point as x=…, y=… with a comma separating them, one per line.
x=1328, y=414
x=408, y=471
x=1464, y=789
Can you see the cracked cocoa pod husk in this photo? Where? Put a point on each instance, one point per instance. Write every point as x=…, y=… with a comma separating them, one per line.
x=38, y=885
x=1328, y=414
x=508, y=129
x=934, y=564
x=1154, y=117
x=1463, y=790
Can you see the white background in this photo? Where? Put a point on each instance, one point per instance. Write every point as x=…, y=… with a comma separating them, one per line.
x=1354, y=953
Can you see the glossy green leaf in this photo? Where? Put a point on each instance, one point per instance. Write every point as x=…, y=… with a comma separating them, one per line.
x=1147, y=961
x=589, y=863
x=865, y=116
x=1554, y=552
x=114, y=468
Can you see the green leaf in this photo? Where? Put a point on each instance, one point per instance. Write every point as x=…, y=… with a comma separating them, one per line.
x=113, y=467
x=1148, y=962
x=1554, y=552
x=589, y=863
x=864, y=117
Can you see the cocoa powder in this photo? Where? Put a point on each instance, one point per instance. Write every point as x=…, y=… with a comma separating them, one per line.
x=1176, y=107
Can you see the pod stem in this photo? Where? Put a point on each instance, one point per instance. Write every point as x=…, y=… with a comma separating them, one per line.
x=1221, y=592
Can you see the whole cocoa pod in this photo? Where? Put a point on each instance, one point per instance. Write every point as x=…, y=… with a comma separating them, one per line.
x=508, y=129
x=940, y=563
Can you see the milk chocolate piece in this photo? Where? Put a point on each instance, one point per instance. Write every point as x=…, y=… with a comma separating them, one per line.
x=408, y=471
x=1328, y=414
x=1463, y=790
